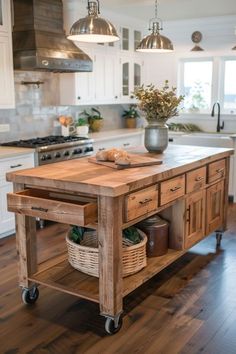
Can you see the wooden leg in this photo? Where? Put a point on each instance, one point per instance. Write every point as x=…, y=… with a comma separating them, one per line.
x=26, y=248
x=110, y=256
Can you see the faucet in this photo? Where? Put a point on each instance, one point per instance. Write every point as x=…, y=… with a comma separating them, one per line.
x=218, y=127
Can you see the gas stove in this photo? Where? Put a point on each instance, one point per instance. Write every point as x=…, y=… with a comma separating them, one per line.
x=56, y=148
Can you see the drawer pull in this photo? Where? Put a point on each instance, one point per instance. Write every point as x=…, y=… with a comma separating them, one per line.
x=40, y=209
x=126, y=144
x=200, y=178
x=101, y=149
x=15, y=166
x=175, y=189
x=188, y=215
x=220, y=170
x=147, y=200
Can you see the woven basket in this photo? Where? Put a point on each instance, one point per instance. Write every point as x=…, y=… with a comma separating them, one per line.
x=84, y=256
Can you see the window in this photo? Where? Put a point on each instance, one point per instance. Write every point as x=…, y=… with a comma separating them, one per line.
x=196, y=84
x=229, y=89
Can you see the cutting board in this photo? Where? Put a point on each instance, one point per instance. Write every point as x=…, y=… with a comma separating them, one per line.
x=136, y=161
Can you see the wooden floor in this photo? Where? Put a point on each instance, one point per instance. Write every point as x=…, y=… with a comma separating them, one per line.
x=188, y=308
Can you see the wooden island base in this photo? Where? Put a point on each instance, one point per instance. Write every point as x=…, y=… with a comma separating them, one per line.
x=190, y=190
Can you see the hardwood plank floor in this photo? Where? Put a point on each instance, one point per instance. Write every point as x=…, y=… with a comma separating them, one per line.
x=188, y=308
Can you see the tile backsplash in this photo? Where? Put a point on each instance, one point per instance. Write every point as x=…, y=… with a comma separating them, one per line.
x=37, y=108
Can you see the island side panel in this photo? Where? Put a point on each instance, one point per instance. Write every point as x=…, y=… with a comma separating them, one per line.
x=226, y=193
x=25, y=244
x=110, y=211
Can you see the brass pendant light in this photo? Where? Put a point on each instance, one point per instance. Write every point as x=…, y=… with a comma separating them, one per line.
x=154, y=42
x=93, y=28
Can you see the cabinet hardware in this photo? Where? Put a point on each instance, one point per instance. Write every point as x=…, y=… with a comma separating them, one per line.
x=126, y=144
x=116, y=97
x=175, y=188
x=188, y=215
x=39, y=209
x=78, y=98
x=147, y=200
x=200, y=178
x=101, y=149
x=15, y=166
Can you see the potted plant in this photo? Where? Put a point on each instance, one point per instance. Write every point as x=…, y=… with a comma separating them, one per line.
x=159, y=105
x=82, y=127
x=131, y=116
x=95, y=120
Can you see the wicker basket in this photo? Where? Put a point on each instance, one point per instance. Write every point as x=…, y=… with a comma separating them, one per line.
x=84, y=256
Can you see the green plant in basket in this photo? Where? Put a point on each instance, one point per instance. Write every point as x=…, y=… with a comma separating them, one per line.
x=132, y=235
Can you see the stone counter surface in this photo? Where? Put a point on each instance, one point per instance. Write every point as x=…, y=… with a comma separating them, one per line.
x=8, y=152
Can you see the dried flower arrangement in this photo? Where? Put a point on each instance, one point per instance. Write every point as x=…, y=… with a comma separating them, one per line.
x=158, y=104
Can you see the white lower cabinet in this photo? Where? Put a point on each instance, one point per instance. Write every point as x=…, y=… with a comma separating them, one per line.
x=7, y=220
x=124, y=142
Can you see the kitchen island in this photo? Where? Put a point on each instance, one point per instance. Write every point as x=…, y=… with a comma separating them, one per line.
x=189, y=189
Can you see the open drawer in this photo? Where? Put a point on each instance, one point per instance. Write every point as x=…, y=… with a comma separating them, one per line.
x=60, y=207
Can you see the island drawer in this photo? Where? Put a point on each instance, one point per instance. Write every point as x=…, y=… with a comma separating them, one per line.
x=172, y=189
x=60, y=207
x=141, y=202
x=195, y=179
x=216, y=170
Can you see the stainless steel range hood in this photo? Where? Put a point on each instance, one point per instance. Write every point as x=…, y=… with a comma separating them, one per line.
x=39, y=41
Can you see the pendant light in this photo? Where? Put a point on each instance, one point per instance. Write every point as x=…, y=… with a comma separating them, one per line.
x=93, y=28
x=154, y=42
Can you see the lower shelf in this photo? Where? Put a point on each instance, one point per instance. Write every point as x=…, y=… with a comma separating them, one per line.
x=58, y=274
x=154, y=266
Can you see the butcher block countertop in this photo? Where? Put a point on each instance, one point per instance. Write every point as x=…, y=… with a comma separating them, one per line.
x=82, y=176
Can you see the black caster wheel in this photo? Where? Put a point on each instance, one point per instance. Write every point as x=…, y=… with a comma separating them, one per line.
x=218, y=239
x=110, y=326
x=30, y=296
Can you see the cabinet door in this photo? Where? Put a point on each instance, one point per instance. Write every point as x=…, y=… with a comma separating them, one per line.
x=106, y=74
x=131, y=78
x=7, y=220
x=5, y=16
x=195, y=218
x=7, y=97
x=215, y=207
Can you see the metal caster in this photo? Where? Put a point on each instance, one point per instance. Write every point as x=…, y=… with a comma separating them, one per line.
x=30, y=296
x=218, y=239
x=113, y=325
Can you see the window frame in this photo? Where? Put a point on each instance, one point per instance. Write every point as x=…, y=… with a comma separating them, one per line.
x=221, y=83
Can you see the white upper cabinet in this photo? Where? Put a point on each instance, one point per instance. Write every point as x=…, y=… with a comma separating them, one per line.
x=132, y=76
x=4, y=16
x=7, y=95
x=98, y=87
x=117, y=70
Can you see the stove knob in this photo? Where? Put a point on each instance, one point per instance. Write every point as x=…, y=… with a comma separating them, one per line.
x=66, y=153
x=48, y=157
x=57, y=154
x=88, y=149
x=43, y=158
x=77, y=151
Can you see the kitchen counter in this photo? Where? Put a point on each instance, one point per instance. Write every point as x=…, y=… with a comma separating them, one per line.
x=116, y=133
x=6, y=151
x=189, y=189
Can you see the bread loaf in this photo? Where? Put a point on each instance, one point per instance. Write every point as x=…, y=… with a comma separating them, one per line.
x=112, y=155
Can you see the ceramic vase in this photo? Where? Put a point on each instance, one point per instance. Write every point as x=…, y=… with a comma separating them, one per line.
x=156, y=137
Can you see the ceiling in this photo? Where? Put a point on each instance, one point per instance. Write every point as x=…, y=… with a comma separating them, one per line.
x=171, y=9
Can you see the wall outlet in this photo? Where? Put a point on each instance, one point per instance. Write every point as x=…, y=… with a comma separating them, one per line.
x=4, y=128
